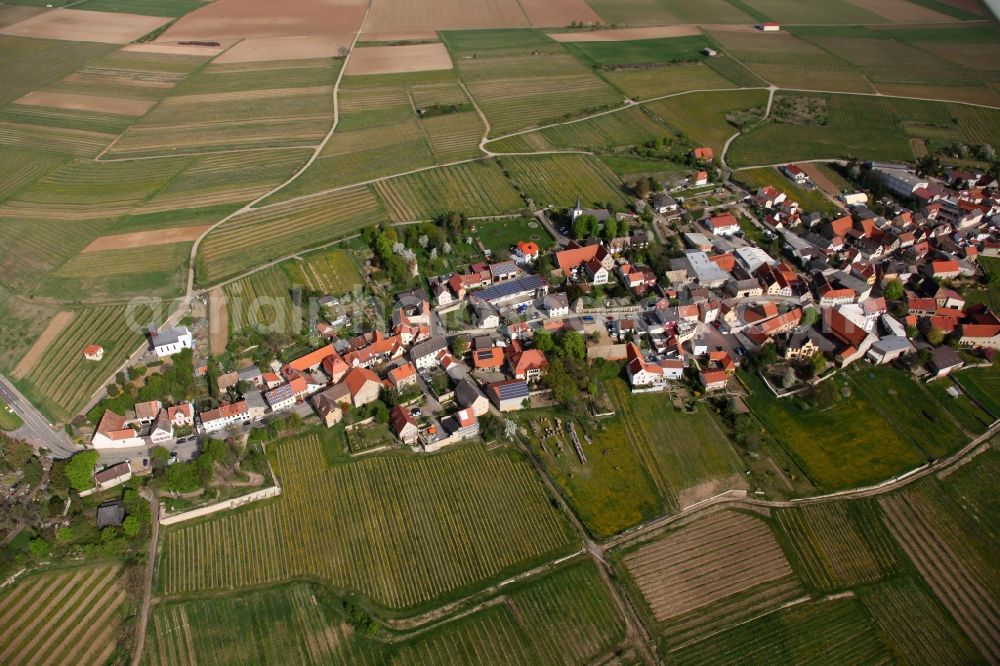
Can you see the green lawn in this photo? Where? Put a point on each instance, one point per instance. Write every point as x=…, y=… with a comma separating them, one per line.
x=990, y=293
x=636, y=167
x=908, y=408
x=843, y=446
x=648, y=459
x=642, y=51
x=498, y=236
x=962, y=408
x=983, y=385
x=8, y=419
x=613, y=491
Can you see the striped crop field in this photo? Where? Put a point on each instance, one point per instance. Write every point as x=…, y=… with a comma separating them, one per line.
x=251, y=105
x=978, y=125
x=86, y=189
x=400, y=530
x=78, y=143
x=155, y=270
x=454, y=136
x=523, y=79
x=623, y=128
x=30, y=247
x=278, y=626
x=233, y=178
x=916, y=624
x=563, y=617
x=260, y=299
x=840, y=544
x=558, y=180
x=69, y=616
x=63, y=380
x=265, y=234
x=666, y=80
x=954, y=558
x=829, y=632
x=724, y=554
x=566, y=617
x=19, y=168
x=701, y=116
x=476, y=188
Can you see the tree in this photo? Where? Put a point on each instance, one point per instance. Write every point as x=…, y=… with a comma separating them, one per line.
x=935, y=335
x=544, y=342
x=32, y=471
x=58, y=481
x=581, y=227
x=459, y=346
x=611, y=228
x=788, y=381
x=159, y=456
x=131, y=526
x=80, y=470
x=40, y=548
x=894, y=290
x=574, y=345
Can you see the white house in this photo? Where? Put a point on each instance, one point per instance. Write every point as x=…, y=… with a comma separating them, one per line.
x=115, y=432
x=162, y=429
x=171, y=341
x=93, y=352
x=281, y=398
x=226, y=415
x=723, y=225
x=424, y=355
x=556, y=305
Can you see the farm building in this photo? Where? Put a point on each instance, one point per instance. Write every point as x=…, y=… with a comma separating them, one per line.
x=115, y=475
x=110, y=514
x=171, y=341
x=769, y=26
x=93, y=352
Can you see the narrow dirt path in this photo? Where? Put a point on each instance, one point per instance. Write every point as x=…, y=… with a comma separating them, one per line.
x=147, y=593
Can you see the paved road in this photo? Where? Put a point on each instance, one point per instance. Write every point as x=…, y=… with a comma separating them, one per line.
x=36, y=429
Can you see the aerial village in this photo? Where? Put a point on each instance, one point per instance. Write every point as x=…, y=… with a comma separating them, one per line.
x=755, y=278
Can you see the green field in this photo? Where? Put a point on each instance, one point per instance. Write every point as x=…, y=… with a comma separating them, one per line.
x=630, y=168
x=562, y=617
x=149, y=7
x=238, y=106
x=380, y=131
x=30, y=64
x=152, y=271
x=915, y=624
x=521, y=78
x=649, y=83
x=810, y=200
x=623, y=128
x=908, y=408
x=835, y=632
x=19, y=168
x=990, y=294
x=843, y=446
x=558, y=180
x=63, y=616
x=332, y=272
x=401, y=531
x=640, y=52
x=265, y=234
x=8, y=419
x=647, y=460
x=840, y=545
x=477, y=188
x=21, y=322
x=262, y=299
x=838, y=12
x=499, y=235
x=968, y=414
x=983, y=385
x=63, y=380
x=863, y=127
x=702, y=116
x=665, y=13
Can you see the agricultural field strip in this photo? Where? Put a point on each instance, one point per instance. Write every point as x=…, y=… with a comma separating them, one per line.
x=670, y=572
x=643, y=447
x=973, y=607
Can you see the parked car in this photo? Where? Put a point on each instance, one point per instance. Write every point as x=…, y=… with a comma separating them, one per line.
x=588, y=319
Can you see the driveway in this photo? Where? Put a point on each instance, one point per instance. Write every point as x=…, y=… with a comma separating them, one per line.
x=36, y=429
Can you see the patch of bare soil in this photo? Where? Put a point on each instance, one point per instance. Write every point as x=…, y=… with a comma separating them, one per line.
x=818, y=177
x=548, y=13
x=398, y=59
x=711, y=488
x=146, y=238
x=95, y=103
x=218, y=321
x=265, y=49
x=77, y=25
x=233, y=19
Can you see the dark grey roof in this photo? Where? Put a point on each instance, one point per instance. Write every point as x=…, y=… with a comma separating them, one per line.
x=111, y=514
x=515, y=389
x=169, y=336
x=467, y=393
x=505, y=289
x=426, y=347
x=247, y=374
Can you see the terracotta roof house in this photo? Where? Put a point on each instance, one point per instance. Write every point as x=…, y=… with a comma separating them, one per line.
x=703, y=153
x=487, y=359
x=329, y=404
x=114, y=431
x=403, y=424
x=403, y=376
x=527, y=364
x=93, y=352
x=364, y=385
